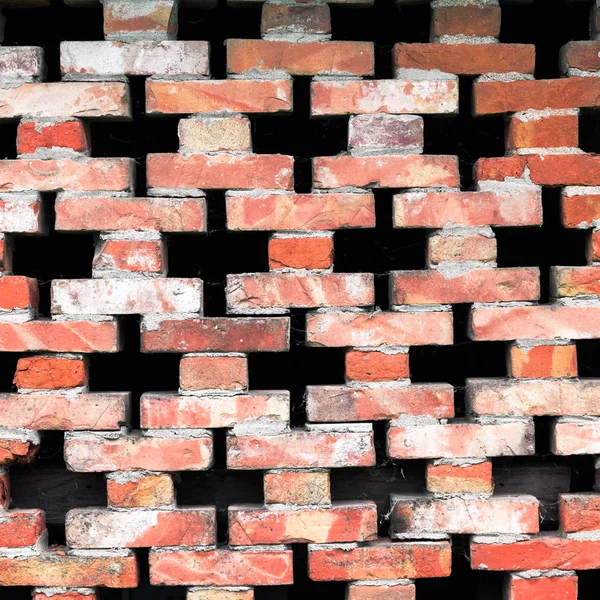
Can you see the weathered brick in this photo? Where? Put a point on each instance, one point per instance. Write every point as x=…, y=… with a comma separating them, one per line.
x=19, y=528
x=308, y=58
x=447, y=476
x=303, y=252
x=554, y=131
x=575, y=436
x=299, y=19
x=221, y=567
x=152, y=19
x=395, y=96
x=381, y=134
x=470, y=19
x=344, y=329
x=569, y=282
x=457, y=248
x=233, y=95
x=21, y=213
x=331, y=403
x=104, y=453
x=129, y=256
x=581, y=55
x=64, y=594
x=297, y=487
x=33, y=136
x=374, y=365
x=545, y=587
x=21, y=64
x=4, y=489
x=215, y=134
x=542, y=361
x=132, y=489
x=579, y=208
x=385, y=171
x=290, y=212
x=579, y=512
x=165, y=411
x=380, y=560
x=221, y=593
x=211, y=372
x=18, y=293
x=101, y=528
x=251, y=525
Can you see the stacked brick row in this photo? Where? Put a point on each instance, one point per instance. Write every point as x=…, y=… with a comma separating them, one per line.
x=130, y=277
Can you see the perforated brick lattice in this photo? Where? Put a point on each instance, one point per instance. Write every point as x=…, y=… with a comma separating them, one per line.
x=299, y=298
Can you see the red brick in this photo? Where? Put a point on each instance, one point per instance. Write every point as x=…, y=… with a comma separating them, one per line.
x=337, y=403
x=375, y=366
x=468, y=209
x=6, y=248
x=394, y=96
x=568, y=282
x=584, y=56
x=4, y=489
x=450, y=477
x=215, y=134
x=176, y=215
x=579, y=208
x=303, y=449
x=66, y=100
x=96, y=453
x=216, y=334
x=541, y=553
x=59, y=336
x=575, y=436
x=73, y=135
x=400, y=589
x=20, y=528
x=493, y=97
x=297, y=487
x=17, y=448
x=308, y=58
x=21, y=213
x=555, y=587
x=101, y=528
x=221, y=567
x=535, y=322
x=18, y=293
x=426, y=516
x=126, y=296
x=380, y=134
x=385, y=171
x=251, y=525
x=56, y=568
x=476, y=285
x=460, y=440
x=554, y=131
x=542, y=361
x=234, y=95
x=213, y=372
x=310, y=19
x=106, y=59
x=457, y=248
x=164, y=411
x=300, y=252
x=579, y=512
x=106, y=174
x=97, y=411
x=129, y=256
x=40, y=594
x=140, y=490
x=50, y=373
x=291, y=212
x=156, y=19
x=380, y=560
x=593, y=247
x=220, y=171
x=278, y=290
x=466, y=59
x=473, y=19
x=344, y=329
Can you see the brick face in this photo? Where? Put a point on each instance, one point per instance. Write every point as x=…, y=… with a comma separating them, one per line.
x=287, y=307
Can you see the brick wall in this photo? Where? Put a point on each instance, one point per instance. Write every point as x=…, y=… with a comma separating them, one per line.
x=310, y=312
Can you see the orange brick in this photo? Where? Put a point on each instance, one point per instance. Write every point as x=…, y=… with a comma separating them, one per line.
x=376, y=366
x=18, y=293
x=212, y=372
x=457, y=248
x=297, y=487
x=301, y=252
x=136, y=256
x=541, y=588
x=131, y=489
x=50, y=372
x=450, y=477
x=556, y=131
x=542, y=361
x=73, y=135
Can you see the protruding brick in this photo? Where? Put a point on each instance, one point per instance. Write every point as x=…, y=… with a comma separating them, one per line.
x=104, y=453
x=581, y=55
x=470, y=19
x=368, y=330
x=57, y=568
x=307, y=59
x=394, y=96
x=167, y=411
x=461, y=439
x=554, y=131
x=212, y=372
x=374, y=365
x=551, y=586
x=175, y=215
x=318, y=447
x=257, y=292
x=423, y=516
x=331, y=403
x=221, y=567
x=297, y=487
x=18, y=293
x=567, y=282
x=232, y=95
x=126, y=296
x=219, y=171
x=455, y=477
x=251, y=525
x=216, y=334
x=385, y=134
x=21, y=528
x=140, y=490
x=101, y=528
x=542, y=361
x=69, y=135
x=126, y=21
x=579, y=207
x=291, y=212
x=215, y=134
x=572, y=436
x=381, y=559
x=579, y=512
x=302, y=252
